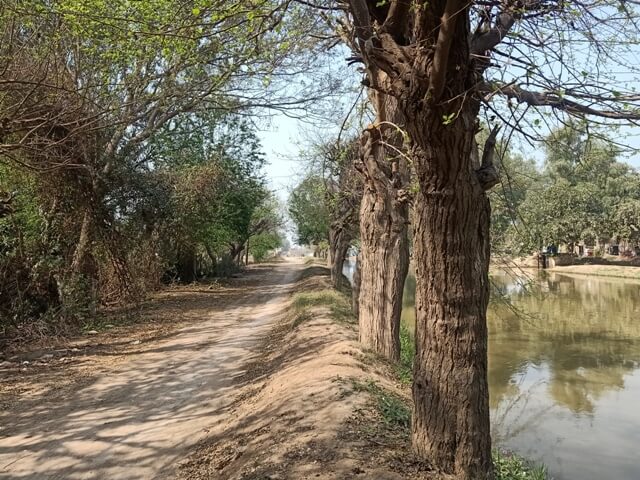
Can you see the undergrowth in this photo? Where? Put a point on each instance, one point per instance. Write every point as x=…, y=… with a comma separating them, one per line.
x=337, y=303
x=512, y=467
x=392, y=408
x=407, y=352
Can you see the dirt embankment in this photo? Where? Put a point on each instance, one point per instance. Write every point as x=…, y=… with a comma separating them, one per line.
x=315, y=405
x=609, y=266
x=607, y=270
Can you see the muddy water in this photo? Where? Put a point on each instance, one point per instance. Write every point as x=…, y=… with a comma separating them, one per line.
x=564, y=371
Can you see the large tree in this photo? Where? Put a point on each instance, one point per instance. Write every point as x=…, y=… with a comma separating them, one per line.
x=86, y=85
x=445, y=62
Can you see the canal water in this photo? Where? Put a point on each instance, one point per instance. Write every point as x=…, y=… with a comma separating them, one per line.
x=564, y=371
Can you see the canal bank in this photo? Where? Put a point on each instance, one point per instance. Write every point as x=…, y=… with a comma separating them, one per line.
x=564, y=370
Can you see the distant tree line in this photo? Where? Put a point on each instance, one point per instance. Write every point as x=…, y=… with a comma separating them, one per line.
x=582, y=193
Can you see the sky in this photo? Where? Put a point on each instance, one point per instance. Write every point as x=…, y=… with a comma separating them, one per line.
x=284, y=137
x=281, y=144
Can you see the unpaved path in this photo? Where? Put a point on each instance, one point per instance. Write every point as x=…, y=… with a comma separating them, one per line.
x=136, y=421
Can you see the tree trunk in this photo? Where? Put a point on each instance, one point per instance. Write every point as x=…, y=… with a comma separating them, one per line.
x=77, y=288
x=426, y=54
x=451, y=253
x=383, y=265
x=339, y=240
x=384, y=255
x=355, y=289
x=213, y=257
x=81, y=263
x=186, y=264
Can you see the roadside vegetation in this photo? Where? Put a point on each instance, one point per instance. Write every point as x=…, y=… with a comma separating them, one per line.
x=393, y=420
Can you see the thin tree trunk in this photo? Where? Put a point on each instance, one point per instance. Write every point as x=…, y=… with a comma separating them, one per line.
x=80, y=261
x=246, y=256
x=212, y=256
x=339, y=240
x=355, y=288
x=186, y=266
x=76, y=289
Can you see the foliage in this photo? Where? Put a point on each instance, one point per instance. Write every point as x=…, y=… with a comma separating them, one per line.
x=627, y=219
x=262, y=244
x=508, y=466
x=584, y=193
x=518, y=176
x=121, y=137
x=309, y=210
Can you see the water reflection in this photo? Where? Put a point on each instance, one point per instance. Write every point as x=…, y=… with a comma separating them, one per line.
x=564, y=371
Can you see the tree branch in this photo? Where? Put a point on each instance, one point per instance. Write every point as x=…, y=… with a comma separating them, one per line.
x=438, y=71
x=490, y=147
x=554, y=100
x=487, y=173
x=397, y=20
x=488, y=40
x=361, y=19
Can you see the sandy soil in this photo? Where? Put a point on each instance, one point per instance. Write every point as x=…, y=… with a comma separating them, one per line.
x=130, y=404
x=248, y=388
x=629, y=272
x=308, y=412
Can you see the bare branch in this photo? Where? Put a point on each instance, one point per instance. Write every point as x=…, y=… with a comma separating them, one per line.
x=361, y=19
x=556, y=101
x=490, y=39
x=487, y=174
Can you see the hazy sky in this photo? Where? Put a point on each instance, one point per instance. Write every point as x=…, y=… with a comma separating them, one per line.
x=282, y=141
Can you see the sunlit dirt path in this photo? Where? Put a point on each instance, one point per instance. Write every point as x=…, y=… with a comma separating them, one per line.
x=136, y=421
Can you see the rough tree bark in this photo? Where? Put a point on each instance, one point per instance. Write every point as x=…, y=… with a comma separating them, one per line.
x=451, y=254
x=425, y=53
x=339, y=241
x=384, y=255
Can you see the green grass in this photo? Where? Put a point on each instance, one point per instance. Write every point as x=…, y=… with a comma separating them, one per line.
x=338, y=304
x=512, y=467
x=407, y=352
x=393, y=409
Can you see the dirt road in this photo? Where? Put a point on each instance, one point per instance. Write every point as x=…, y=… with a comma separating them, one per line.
x=136, y=421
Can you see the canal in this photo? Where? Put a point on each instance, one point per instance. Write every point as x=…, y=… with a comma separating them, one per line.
x=564, y=371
